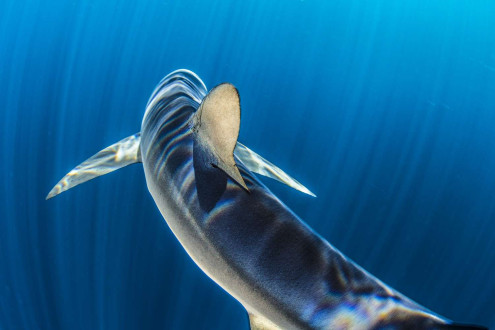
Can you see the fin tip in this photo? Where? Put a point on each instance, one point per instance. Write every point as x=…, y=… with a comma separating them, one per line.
x=51, y=194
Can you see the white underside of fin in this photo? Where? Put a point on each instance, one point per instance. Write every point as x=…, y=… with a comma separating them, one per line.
x=257, y=322
x=257, y=164
x=118, y=155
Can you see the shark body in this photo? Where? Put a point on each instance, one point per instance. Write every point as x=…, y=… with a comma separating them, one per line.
x=239, y=233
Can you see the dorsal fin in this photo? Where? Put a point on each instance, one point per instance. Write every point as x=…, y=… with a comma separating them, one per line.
x=217, y=122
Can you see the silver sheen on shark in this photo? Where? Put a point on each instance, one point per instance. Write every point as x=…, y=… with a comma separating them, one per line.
x=239, y=233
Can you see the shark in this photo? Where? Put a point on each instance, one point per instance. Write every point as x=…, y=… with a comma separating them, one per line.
x=235, y=229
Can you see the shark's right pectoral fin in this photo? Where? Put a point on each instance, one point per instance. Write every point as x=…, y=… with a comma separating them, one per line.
x=257, y=164
x=258, y=322
x=118, y=155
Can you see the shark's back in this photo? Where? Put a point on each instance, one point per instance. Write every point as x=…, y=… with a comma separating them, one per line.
x=278, y=257
x=235, y=229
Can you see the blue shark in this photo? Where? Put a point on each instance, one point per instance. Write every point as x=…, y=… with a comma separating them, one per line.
x=240, y=234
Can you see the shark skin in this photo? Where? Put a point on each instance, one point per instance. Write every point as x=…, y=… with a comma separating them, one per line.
x=246, y=240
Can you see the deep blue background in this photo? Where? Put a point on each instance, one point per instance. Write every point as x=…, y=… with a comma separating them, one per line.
x=385, y=109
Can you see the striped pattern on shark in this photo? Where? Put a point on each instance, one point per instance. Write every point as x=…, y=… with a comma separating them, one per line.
x=239, y=233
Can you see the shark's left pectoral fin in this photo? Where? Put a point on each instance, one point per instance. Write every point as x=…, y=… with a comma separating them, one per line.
x=216, y=123
x=257, y=164
x=118, y=155
x=258, y=322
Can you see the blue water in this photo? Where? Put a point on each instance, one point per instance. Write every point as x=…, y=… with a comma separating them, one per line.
x=385, y=109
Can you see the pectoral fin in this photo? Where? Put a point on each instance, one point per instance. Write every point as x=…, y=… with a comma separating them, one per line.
x=257, y=164
x=118, y=155
x=258, y=322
